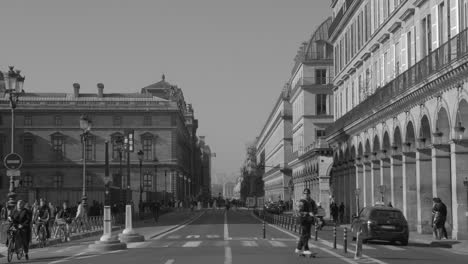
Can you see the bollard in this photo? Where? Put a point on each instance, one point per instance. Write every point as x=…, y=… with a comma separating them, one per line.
x=264, y=230
x=358, y=253
x=316, y=231
x=345, y=242
x=334, y=236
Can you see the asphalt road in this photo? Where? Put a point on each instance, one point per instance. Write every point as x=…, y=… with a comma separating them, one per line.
x=236, y=238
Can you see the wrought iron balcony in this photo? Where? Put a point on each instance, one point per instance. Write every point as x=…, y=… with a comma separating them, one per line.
x=449, y=52
x=314, y=81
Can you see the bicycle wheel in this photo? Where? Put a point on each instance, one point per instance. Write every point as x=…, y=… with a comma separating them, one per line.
x=11, y=249
x=42, y=236
x=20, y=253
x=63, y=236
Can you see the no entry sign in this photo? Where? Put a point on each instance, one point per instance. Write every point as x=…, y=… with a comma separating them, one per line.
x=13, y=161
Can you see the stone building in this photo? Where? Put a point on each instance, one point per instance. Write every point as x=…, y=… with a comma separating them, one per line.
x=312, y=111
x=48, y=137
x=401, y=107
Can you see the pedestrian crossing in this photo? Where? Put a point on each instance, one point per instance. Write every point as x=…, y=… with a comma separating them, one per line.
x=210, y=243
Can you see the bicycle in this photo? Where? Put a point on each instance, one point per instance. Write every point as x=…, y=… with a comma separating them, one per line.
x=61, y=230
x=13, y=244
x=42, y=235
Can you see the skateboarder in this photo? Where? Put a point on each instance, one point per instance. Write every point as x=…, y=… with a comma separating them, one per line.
x=307, y=212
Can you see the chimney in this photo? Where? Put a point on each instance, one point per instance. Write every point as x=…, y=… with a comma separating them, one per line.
x=76, y=90
x=100, y=88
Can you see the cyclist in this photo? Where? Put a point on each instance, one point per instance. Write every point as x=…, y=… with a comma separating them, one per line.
x=42, y=218
x=21, y=219
x=64, y=217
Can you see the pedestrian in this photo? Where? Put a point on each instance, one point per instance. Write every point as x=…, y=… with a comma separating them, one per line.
x=307, y=212
x=155, y=210
x=439, y=212
x=21, y=219
x=341, y=211
x=334, y=211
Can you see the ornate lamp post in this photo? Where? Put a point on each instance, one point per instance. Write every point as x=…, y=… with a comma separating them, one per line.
x=14, y=88
x=85, y=125
x=140, y=158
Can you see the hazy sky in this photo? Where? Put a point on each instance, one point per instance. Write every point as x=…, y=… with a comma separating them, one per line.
x=231, y=58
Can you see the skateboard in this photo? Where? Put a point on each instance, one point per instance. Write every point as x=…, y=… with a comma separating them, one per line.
x=307, y=255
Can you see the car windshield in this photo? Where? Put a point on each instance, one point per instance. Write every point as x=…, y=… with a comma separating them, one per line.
x=386, y=214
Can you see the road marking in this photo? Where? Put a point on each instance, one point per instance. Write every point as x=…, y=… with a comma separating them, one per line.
x=178, y=228
x=169, y=261
x=68, y=258
x=137, y=244
x=249, y=243
x=393, y=248
x=277, y=243
x=84, y=257
x=194, y=236
x=284, y=239
x=173, y=237
x=212, y=236
x=243, y=238
x=227, y=248
x=192, y=244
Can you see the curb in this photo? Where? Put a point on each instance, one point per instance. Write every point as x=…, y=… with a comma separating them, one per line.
x=176, y=226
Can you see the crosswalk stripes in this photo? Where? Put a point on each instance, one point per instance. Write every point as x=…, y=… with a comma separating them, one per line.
x=277, y=244
x=192, y=244
x=393, y=248
x=249, y=243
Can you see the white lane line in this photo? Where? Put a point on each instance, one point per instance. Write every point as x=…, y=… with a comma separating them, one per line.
x=178, y=228
x=192, y=244
x=137, y=244
x=227, y=248
x=243, y=238
x=192, y=236
x=169, y=261
x=249, y=243
x=84, y=257
x=277, y=243
x=393, y=248
x=284, y=239
x=212, y=236
x=173, y=237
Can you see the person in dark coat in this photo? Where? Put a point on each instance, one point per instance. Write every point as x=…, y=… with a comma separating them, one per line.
x=307, y=212
x=21, y=219
x=156, y=206
x=439, y=213
x=341, y=211
x=334, y=212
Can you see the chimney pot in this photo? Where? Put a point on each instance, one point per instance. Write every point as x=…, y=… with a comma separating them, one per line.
x=76, y=90
x=100, y=87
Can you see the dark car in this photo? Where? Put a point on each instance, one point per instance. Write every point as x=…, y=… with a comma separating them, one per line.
x=381, y=223
x=273, y=208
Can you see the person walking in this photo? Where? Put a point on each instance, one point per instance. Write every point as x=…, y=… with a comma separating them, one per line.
x=341, y=211
x=439, y=216
x=307, y=211
x=334, y=212
x=21, y=219
x=156, y=206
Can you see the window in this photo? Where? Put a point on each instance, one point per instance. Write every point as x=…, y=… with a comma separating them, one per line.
x=148, y=148
x=385, y=67
x=397, y=58
x=117, y=121
x=367, y=22
x=321, y=103
x=89, y=148
x=426, y=36
x=147, y=182
x=352, y=92
x=147, y=120
x=58, y=120
x=58, y=180
x=28, y=147
x=321, y=76
x=27, y=120
x=441, y=23
x=117, y=144
x=463, y=15
x=347, y=95
x=319, y=133
x=26, y=180
x=58, y=146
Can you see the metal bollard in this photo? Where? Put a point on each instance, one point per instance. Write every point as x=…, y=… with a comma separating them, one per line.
x=345, y=242
x=316, y=231
x=334, y=236
x=264, y=229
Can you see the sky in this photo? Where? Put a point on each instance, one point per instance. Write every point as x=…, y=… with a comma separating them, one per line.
x=231, y=58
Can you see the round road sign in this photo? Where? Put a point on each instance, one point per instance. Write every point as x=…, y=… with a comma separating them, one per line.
x=13, y=161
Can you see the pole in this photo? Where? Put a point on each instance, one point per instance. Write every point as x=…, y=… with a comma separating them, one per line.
x=84, y=166
x=12, y=195
x=12, y=129
x=106, y=173
x=165, y=186
x=264, y=230
x=141, y=194
x=120, y=174
x=128, y=177
x=334, y=236
x=345, y=242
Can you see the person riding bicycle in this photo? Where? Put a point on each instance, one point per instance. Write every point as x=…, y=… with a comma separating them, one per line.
x=42, y=218
x=307, y=212
x=65, y=217
x=20, y=218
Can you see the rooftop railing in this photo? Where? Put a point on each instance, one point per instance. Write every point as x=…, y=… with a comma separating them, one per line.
x=452, y=50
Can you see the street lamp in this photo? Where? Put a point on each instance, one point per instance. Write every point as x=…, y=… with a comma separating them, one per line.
x=465, y=182
x=357, y=193
x=382, y=190
x=85, y=125
x=140, y=158
x=14, y=88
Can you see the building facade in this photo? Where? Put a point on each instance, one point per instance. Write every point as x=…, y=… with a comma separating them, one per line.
x=228, y=190
x=401, y=107
x=48, y=137
x=312, y=111
x=274, y=149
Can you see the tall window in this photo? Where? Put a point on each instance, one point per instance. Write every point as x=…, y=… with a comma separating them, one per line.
x=28, y=147
x=385, y=67
x=397, y=59
x=27, y=120
x=148, y=147
x=58, y=120
x=26, y=180
x=347, y=95
x=148, y=182
x=117, y=121
x=463, y=15
x=89, y=148
x=441, y=23
x=58, y=146
x=117, y=143
x=321, y=103
x=426, y=36
x=147, y=120
x=58, y=180
x=352, y=93
x=319, y=133
x=320, y=76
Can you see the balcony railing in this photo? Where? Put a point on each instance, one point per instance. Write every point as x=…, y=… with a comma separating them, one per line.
x=314, y=81
x=318, y=56
x=454, y=49
x=320, y=143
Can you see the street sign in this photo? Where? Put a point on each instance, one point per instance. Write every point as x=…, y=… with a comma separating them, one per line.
x=13, y=161
x=13, y=173
x=250, y=202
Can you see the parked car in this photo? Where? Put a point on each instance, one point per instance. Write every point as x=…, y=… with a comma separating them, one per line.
x=273, y=208
x=381, y=223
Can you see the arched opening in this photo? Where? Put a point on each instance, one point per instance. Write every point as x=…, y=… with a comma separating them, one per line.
x=462, y=118
x=410, y=139
x=376, y=149
x=397, y=187
x=424, y=175
x=425, y=138
x=367, y=150
x=360, y=150
x=442, y=127
x=409, y=170
x=397, y=139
